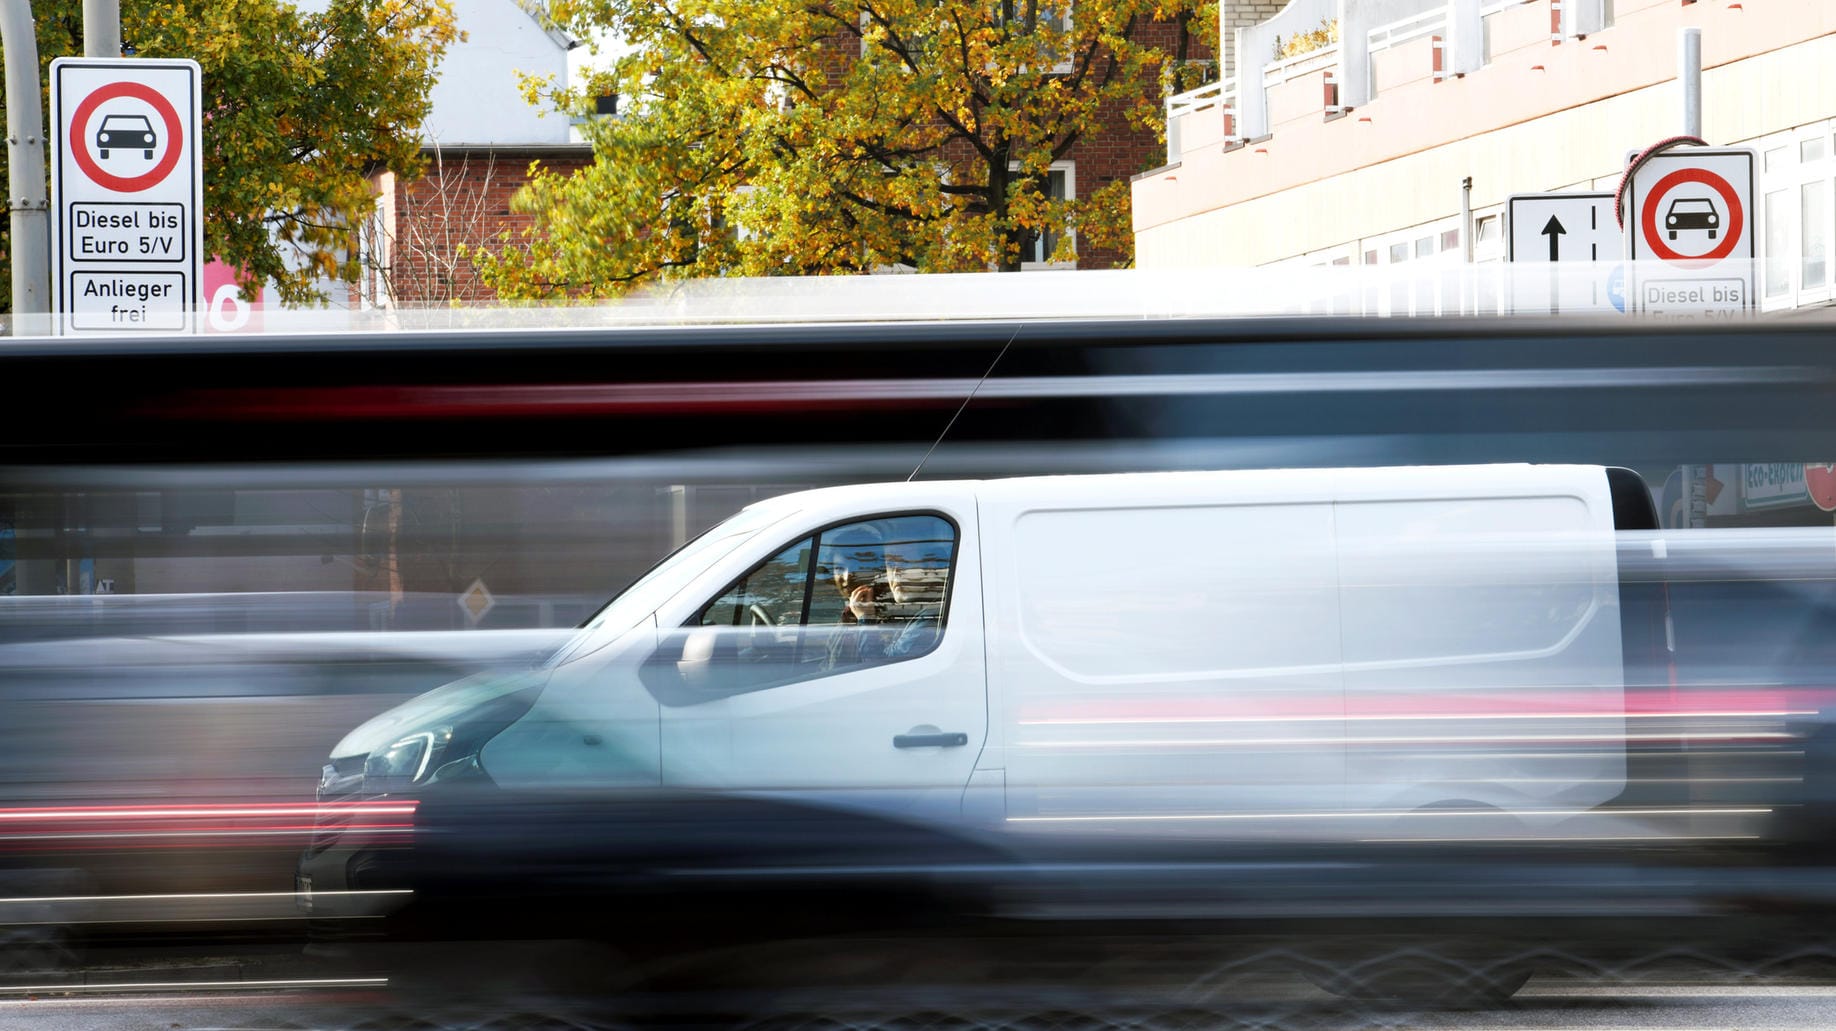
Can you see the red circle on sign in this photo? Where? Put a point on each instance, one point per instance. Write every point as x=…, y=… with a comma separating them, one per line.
x=1820, y=481
x=79, y=131
x=1647, y=218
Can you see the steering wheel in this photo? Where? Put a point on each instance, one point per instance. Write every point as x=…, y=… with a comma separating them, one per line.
x=757, y=615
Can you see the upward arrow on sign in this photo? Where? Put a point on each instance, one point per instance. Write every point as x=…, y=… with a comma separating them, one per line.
x=1553, y=229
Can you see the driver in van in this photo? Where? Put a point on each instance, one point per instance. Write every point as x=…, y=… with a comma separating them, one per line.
x=907, y=583
x=856, y=559
x=887, y=609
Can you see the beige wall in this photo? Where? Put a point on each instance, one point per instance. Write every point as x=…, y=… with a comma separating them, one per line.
x=1535, y=118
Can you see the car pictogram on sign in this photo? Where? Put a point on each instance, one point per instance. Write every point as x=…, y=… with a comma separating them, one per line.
x=1692, y=213
x=126, y=132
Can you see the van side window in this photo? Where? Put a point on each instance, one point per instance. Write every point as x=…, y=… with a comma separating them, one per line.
x=862, y=594
x=771, y=595
x=890, y=581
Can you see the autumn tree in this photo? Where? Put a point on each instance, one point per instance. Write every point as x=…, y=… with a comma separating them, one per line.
x=834, y=136
x=300, y=106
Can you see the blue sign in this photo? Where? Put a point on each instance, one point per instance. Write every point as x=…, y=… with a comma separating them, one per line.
x=1616, y=287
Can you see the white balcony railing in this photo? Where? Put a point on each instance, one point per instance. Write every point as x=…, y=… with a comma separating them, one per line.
x=1277, y=72
x=1214, y=100
x=1432, y=22
x=1396, y=33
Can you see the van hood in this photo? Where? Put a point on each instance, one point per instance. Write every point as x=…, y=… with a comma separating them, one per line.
x=442, y=705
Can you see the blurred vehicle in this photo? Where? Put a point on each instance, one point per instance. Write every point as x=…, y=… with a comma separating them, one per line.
x=1282, y=656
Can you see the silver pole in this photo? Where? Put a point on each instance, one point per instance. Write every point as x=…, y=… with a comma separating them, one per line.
x=25, y=162
x=1689, y=73
x=101, y=28
x=1466, y=218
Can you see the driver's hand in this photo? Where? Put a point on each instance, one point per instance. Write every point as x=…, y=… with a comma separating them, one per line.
x=860, y=602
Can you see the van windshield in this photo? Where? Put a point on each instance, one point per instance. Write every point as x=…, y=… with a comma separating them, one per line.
x=654, y=587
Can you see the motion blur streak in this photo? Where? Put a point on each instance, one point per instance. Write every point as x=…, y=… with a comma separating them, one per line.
x=1679, y=714
x=191, y=986
x=220, y=896
x=127, y=826
x=1416, y=740
x=207, y=810
x=434, y=402
x=1387, y=814
x=1516, y=704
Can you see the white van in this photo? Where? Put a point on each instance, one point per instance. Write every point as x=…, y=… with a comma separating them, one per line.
x=1291, y=653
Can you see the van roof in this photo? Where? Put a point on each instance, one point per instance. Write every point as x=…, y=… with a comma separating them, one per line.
x=1438, y=479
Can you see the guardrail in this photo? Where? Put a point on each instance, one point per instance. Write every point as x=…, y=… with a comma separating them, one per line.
x=1220, y=96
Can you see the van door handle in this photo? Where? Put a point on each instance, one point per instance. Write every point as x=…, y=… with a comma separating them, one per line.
x=931, y=740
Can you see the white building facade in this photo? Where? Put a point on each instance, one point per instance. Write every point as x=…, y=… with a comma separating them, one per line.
x=1402, y=141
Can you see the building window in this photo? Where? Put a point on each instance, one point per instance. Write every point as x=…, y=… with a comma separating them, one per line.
x=1036, y=248
x=1050, y=17
x=1399, y=252
x=1814, y=221
x=1778, y=243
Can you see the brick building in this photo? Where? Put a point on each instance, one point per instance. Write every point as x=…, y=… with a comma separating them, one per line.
x=481, y=138
x=413, y=243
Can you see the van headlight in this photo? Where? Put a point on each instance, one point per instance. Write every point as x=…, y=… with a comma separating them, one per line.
x=444, y=753
x=404, y=763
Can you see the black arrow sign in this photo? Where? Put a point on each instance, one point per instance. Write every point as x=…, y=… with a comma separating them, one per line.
x=1553, y=229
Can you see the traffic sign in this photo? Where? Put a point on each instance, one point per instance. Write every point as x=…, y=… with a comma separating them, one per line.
x=1562, y=227
x=1576, y=230
x=1820, y=481
x=1689, y=230
x=127, y=187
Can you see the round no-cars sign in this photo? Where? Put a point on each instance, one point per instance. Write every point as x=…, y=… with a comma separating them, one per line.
x=123, y=128
x=1693, y=216
x=1690, y=233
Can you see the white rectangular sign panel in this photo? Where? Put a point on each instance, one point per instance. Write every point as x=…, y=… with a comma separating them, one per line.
x=1773, y=484
x=1576, y=231
x=127, y=194
x=1690, y=233
x=1562, y=227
